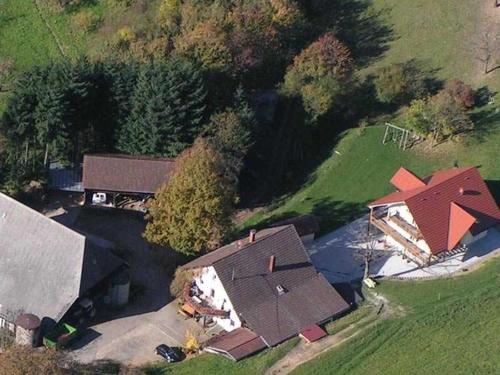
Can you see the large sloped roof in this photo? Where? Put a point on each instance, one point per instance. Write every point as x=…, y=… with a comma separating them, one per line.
x=45, y=266
x=438, y=206
x=252, y=288
x=125, y=173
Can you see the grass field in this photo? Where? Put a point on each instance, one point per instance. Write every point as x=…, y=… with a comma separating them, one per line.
x=213, y=364
x=436, y=33
x=340, y=188
x=450, y=327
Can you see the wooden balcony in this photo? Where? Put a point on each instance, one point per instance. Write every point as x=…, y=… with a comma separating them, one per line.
x=407, y=227
x=202, y=308
x=411, y=249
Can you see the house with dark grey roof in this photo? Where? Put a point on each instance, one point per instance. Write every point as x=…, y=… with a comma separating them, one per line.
x=44, y=266
x=430, y=218
x=307, y=226
x=115, y=174
x=266, y=284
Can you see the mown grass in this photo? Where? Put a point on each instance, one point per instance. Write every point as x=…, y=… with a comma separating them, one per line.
x=438, y=34
x=353, y=317
x=213, y=364
x=360, y=167
x=450, y=327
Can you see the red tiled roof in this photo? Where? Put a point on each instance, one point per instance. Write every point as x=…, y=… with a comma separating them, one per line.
x=313, y=333
x=125, y=173
x=405, y=180
x=430, y=205
x=460, y=223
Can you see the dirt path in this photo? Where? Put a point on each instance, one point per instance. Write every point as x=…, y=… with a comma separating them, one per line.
x=304, y=352
x=49, y=28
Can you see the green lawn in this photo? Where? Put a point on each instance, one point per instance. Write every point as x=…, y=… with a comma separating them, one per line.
x=354, y=317
x=214, y=364
x=340, y=188
x=436, y=33
x=451, y=327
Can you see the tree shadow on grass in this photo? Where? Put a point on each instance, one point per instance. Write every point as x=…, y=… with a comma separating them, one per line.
x=330, y=213
x=486, y=120
x=334, y=214
x=365, y=31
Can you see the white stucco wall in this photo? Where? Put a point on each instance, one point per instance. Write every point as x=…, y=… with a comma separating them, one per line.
x=207, y=282
x=403, y=212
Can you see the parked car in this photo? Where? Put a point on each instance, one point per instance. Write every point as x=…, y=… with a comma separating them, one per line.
x=99, y=198
x=168, y=353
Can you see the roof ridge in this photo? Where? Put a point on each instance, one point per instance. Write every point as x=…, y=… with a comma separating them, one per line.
x=43, y=216
x=428, y=188
x=250, y=244
x=131, y=157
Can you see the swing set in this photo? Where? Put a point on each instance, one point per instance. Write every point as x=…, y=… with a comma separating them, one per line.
x=398, y=135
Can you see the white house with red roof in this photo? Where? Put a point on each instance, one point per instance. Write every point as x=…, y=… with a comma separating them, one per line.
x=437, y=215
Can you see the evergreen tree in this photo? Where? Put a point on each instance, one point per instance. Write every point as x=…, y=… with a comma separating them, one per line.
x=192, y=213
x=167, y=110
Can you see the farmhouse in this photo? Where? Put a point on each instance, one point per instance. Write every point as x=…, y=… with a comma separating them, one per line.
x=108, y=177
x=46, y=267
x=435, y=216
x=262, y=290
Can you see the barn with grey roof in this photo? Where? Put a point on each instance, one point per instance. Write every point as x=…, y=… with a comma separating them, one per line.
x=44, y=266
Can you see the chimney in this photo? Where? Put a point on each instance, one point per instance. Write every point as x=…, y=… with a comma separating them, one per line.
x=251, y=236
x=461, y=191
x=272, y=261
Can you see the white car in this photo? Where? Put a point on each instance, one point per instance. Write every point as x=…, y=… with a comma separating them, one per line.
x=99, y=198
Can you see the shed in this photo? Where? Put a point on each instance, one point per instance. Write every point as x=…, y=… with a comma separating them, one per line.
x=312, y=333
x=237, y=344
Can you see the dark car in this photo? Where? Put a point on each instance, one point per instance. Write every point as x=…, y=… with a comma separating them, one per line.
x=168, y=353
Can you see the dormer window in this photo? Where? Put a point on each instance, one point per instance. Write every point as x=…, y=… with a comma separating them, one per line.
x=280, y=289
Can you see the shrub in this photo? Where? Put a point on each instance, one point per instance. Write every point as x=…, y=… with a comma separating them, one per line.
x=438, y=117
x=85, y=20
x=460, y=92
x=124, y=37
x=399, y=83
x=181, y=277
x=21, y=360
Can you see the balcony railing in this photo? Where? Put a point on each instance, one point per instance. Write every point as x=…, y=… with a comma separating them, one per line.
x=407, y=227
x=202, y=307
x=420, y=257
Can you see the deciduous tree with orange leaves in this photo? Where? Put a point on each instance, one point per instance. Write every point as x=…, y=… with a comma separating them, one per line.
x=192, y=213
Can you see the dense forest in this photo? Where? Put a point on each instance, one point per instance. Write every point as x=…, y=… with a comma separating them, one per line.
x=157, y=89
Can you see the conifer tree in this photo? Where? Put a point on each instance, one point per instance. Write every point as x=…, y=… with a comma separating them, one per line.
x=168, y=110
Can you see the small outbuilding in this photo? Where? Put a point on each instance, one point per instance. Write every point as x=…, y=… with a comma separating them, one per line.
x=108, y=177
x=312, y=333
x=27, y=330
x=307, y=226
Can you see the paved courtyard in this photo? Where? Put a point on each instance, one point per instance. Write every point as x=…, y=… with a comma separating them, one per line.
x=338, y=256
x=132, y=339
x=150, y=318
